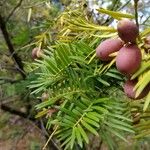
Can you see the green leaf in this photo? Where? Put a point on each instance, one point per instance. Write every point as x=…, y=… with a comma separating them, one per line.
x=70, y=118
x=66, y=141
x=147, y=101
x=92, y=122
x=69, y=112
x=72, y=139
x=142, y=83
x=63, y=135
x=119, y=127
x=90, y=128
x=82, y=132
x=75, y=111
x=78, y=136
x=144, y=66
x=101, y=100
x=117, y=134
x=103, y=81
x=94, y=115
x=145, y=32
x=100, y=109
x=113, y=75
x=119, y=116
x=116, y=121
x=81, y=105
x=86, y=101
x=68, y=122
x=115, y=14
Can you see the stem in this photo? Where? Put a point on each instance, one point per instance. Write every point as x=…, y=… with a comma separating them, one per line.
x=15, y=8
x=15, y=57
x=16, y=112
x=50, y=137
x=136, y=12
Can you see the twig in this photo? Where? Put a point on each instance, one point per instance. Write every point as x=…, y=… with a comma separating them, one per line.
x=8, y=80
x=124, y=5
x=15, y=57
x=136, y=12
x=44, y=147
x=12, y=12
x=15, y=112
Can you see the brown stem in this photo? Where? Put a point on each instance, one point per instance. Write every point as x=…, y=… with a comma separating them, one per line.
x=11, y=110
x=14, y=9
x=15, y=57
x=136, y=12
x=15, y=112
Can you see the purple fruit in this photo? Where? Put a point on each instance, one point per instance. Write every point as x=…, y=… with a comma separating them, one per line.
x=128, y=59
x=36, y=53
x=108, y=47
x=129, y=86
x=127, y=30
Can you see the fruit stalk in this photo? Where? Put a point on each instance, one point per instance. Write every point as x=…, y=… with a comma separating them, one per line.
x=136, y=12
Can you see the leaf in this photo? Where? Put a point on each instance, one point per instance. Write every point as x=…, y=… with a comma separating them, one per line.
x=103, y=81
x=92, y=116
x=147, y=101
x=117, y=134
x=29, y=14
x=145, y=32
x=70, y=118
x=81, y=105
x=72, y=139
x=68, y=122
x=119, y=116
x=86, y=101
x=84, y=135
x=143, y=134
x=100, y=109
x=92, y=122
x=119, y=127
x=101, y=100
x=78, y=136
x=69, y=112
x=116, y=121
x=144, y=66
x=115, y=14
x=113, y=75
x=142, y=83
x=42, y=113
x=66, y=141
x=90, y=128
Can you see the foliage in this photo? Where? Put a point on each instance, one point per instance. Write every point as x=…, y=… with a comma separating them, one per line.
x=76, y=82
x=84, y=94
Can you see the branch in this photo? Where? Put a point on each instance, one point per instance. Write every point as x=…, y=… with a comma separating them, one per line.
x=15, y=57
x=8, y=80
x=16, y=112
x=11, y=110
x=12, y=12
x=136, y=12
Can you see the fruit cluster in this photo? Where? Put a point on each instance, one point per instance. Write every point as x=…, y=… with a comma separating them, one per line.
x=129, y=56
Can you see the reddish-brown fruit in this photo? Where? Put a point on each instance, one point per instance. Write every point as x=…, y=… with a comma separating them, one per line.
x=108, y=47
x=129, y=86
x=128, y=59
x=127, y=30
x=36, y=53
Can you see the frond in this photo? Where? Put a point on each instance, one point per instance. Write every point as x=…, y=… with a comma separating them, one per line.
x=85, y=117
